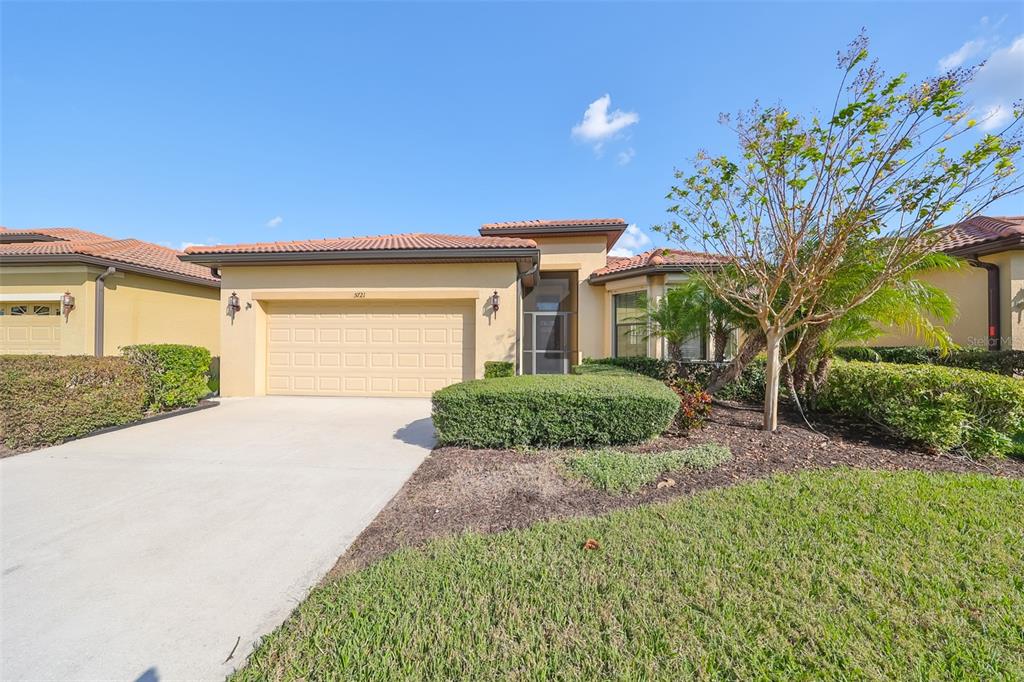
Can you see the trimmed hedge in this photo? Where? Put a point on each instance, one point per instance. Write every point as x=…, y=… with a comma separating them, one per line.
x=553, y=410
x=943, y=408
x=1006, y=362
x=47, y=399
x=700, y=371
x=496, y=369
x=176, y=375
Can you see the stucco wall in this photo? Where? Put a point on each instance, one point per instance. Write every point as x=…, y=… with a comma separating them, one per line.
x=1011, y=287
x=243, y=362
x=142, y=309
x=76, y=333
x=138, y=308
x=968, y=287
x=582, y=254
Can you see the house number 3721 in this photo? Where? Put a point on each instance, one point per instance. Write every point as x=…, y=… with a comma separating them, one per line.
x=359, y=294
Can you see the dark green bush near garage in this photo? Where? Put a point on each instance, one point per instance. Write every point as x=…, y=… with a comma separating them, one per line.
x=496, y=369
x=48, y=399
x=1006, y=362
x=176, y=375
x=553, y=410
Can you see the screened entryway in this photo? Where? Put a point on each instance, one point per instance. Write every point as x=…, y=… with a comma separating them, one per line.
x=550, y=323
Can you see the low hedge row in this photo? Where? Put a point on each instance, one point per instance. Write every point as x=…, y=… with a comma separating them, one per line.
x=700, y=371
x=1006, y=362
x=944, y=408
x=496, y=369
x=48, y=399
x=553, y=410
x=176, y=375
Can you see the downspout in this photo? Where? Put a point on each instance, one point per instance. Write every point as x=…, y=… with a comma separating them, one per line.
x=100, y=290
x=519, y=312
x=995, y=332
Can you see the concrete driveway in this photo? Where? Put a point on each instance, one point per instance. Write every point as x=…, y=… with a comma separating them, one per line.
x=149, y=552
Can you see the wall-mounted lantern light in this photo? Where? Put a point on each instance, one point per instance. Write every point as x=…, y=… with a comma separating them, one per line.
x=495, y=303
x=233, y=305
x=67, y=304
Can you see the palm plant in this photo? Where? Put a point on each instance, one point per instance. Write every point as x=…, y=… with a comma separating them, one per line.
x=687, y=310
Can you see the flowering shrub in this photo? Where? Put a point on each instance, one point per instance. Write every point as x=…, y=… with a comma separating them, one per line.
x=694, y=405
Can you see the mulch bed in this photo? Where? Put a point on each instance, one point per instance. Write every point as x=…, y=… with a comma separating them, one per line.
x=488, y=491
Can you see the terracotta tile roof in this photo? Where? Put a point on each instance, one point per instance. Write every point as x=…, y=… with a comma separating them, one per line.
x=981, y=230
x=70, y=242
x=386, y=242
x=656, y=258
x=554, y=225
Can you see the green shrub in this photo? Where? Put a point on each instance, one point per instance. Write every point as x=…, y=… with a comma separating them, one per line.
x=700, y=371
x=176, y=375
x=1006, y=362
x=47, y=399
x=749, y=386
x=495, y=369
x=615, y=471
x=940, y=407
x=552, y=410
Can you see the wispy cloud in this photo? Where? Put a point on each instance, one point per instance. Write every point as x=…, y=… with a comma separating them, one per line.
x=998, y=84
x=599, y=125
x=626, y=156
x=632, y=241
x=968, y=50
x=275, y=221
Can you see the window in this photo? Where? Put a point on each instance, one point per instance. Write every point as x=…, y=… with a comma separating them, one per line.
x=40, y=310
x=630, y=325
x=549, y=323
x=19, y=310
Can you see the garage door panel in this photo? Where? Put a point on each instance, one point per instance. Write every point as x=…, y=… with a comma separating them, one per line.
x=380, y=348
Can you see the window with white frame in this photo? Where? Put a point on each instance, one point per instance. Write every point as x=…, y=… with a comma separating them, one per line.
x=630, y=327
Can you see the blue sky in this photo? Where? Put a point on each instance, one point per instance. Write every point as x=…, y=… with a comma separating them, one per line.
x=188, y=122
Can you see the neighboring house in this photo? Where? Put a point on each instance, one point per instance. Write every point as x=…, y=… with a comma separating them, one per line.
x=988, y=290
x=404, y=315
x=120, y=291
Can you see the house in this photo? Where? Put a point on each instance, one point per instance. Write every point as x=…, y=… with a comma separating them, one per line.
x=405, y=314
x=988, y=291
x=65, y=291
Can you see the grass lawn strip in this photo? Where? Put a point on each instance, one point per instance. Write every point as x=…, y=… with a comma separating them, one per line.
x=835, y=574
x=620, y=472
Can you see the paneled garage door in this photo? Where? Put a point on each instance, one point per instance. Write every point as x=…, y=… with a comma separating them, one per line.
x=30, y=328
x=373, y=348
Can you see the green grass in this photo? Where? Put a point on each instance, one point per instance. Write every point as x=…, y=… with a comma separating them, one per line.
x=616, y=471
x=838, y=574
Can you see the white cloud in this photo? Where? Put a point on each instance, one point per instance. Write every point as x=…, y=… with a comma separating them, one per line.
x=626, y=156
x=598, y=125
x=632, y=240
x=185, y=245
x=998, y=84
x=275, y=221
x=968, y=50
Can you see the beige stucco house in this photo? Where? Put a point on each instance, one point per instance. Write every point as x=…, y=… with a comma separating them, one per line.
x=404, y=315
x=65, y=291
x=988, y=290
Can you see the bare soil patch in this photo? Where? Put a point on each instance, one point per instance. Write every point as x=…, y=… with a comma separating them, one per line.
x=489, y=491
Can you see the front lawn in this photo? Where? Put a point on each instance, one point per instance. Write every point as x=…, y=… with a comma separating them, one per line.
x=828, y=574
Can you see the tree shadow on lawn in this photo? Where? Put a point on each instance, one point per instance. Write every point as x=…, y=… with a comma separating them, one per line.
x=488, y=491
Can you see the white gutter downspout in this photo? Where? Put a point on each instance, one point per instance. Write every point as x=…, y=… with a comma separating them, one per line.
x=100, y=289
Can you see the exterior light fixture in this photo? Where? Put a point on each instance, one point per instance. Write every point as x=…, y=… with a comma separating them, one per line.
x=495, y=303
x=67, y=304
x=233, y=305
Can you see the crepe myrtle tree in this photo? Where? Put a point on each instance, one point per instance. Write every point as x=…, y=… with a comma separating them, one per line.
x=879, y=174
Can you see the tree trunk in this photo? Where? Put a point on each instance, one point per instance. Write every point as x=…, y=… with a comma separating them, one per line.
x=721, y=340
x=773, y=371
x=751, y=346
x=675, y=351
x=805, y=355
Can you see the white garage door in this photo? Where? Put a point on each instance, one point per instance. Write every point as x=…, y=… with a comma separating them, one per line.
x=30, y=328
x=373, y=348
